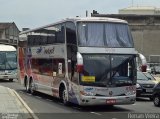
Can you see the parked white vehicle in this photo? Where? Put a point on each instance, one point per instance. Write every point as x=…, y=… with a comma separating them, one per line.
x=8, y=62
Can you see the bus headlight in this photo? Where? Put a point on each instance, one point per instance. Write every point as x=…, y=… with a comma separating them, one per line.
x=87, y=93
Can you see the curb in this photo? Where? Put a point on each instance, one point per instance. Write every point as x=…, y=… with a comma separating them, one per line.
x=25, y=105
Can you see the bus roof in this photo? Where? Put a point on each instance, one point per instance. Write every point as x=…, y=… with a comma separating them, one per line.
x=7, y=48
x=77, y=19
x=100, y=19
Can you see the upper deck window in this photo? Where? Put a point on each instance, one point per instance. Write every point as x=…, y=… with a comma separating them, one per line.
x=96, y=34
x=48, y=35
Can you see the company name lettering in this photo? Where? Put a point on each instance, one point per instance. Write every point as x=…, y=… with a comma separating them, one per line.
x=49, y=51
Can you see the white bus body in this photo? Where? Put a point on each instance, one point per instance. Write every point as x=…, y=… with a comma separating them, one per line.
x=8, y=62
x=76, y=59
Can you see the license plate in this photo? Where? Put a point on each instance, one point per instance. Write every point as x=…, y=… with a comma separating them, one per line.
x=110, y=101
x=149, y=90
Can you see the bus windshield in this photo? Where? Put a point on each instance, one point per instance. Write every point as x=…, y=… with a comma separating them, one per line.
x=8, y=60
x=113, y=70
x=100, y=34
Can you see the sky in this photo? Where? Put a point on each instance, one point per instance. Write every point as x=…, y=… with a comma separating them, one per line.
x=36, y=13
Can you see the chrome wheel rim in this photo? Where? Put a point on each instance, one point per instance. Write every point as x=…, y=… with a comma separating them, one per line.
x=32, y=86
x=27, y=86
x=64, y=96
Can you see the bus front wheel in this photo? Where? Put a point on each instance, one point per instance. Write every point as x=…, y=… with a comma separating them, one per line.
x=63, y=95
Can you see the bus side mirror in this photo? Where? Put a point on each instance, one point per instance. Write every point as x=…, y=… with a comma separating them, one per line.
x=79, y=63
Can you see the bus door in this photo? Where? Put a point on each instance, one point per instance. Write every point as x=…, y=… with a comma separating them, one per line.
x=72, y=61
x=71, y=50
x=72, y=58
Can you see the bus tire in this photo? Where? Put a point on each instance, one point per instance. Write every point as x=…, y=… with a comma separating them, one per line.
x=27, y=86
x=32, y=87
x=63, y=95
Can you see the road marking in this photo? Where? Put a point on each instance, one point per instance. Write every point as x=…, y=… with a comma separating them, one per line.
x=96, y=113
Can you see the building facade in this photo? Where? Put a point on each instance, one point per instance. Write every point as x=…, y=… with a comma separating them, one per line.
x=9, y=34
x=140, y=10
x=145, y=30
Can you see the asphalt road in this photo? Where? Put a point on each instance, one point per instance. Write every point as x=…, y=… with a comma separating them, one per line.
x=47, y=107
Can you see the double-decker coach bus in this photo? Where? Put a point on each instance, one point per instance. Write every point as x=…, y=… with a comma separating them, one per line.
x=86, y=61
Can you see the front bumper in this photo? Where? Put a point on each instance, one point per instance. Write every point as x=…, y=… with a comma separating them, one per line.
x=97, y=100
x=8, y=76
x=143, y=93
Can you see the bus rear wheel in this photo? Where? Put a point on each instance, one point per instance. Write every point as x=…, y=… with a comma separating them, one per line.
x=27, y=86
x=32, y=88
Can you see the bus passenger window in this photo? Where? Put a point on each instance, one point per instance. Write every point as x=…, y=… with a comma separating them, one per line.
x=55, y=34
x=71, y=33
